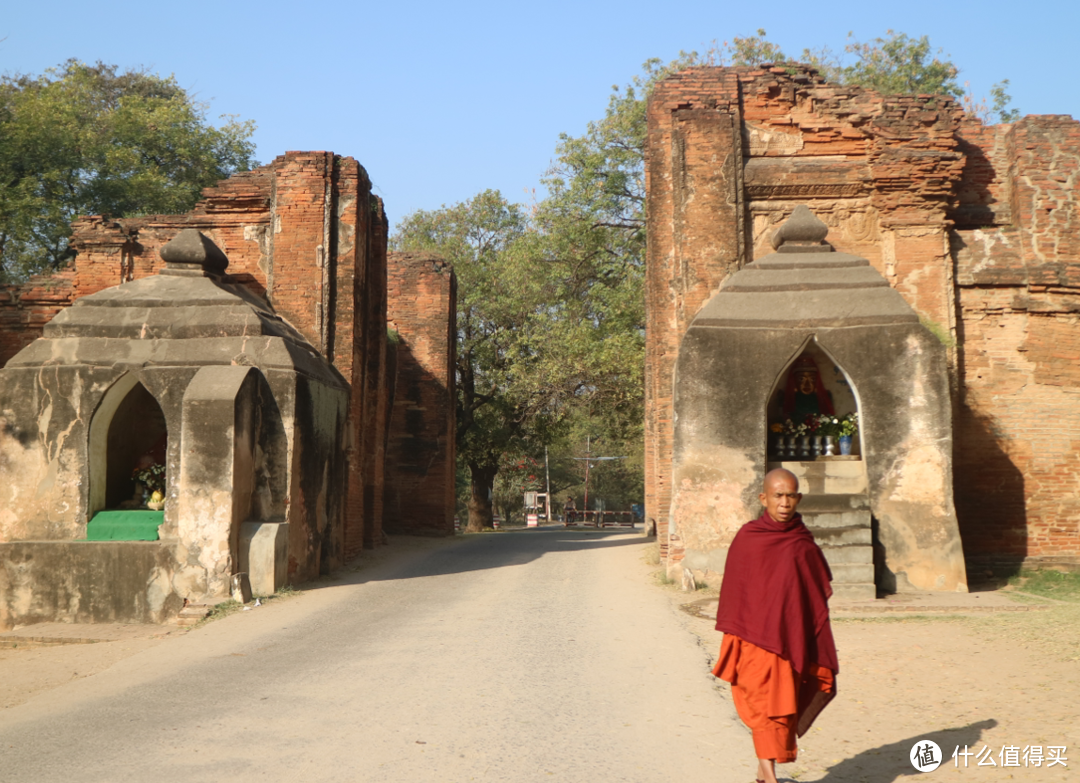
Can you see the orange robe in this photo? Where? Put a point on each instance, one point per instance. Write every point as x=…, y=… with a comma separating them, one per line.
x=773, y=699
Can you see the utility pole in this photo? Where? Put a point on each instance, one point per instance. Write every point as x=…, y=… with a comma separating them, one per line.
x=588, y=459
x=547, y=488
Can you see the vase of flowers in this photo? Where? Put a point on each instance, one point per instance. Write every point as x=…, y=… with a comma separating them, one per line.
x=776, y=438
x=848, y=429
x=785, y=441
x=152, y=478
x=798, y=439
x=813, y=424
x=828, y=426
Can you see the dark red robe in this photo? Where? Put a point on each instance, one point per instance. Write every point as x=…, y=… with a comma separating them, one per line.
x=775, y=595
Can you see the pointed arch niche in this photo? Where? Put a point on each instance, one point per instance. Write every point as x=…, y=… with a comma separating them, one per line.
x=793, y=399
x=128, y=424
x=874, y=356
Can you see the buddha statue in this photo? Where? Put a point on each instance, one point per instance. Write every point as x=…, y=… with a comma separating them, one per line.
x=804, y=394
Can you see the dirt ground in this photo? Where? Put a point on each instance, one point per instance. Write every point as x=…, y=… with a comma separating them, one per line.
x=986, y=670
x=40, y=658
x=996, y=669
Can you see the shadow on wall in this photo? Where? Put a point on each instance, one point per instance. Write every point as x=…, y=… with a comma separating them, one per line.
x=420, y=478
x=990, y=501
x=271, y=485
x=251, y=283
x=884, y=578
x=975, y=206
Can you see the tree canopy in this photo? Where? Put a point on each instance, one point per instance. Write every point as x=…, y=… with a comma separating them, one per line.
x=894, y=64
x=88, y=139
x=545, y=324
x=891, y=65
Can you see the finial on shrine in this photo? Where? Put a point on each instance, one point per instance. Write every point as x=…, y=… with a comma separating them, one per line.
x=803, y=232
x=192, y=252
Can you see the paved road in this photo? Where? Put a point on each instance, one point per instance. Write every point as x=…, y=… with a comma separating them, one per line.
x=520, y=656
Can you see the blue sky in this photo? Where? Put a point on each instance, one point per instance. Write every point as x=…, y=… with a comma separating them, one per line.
x=439, y=101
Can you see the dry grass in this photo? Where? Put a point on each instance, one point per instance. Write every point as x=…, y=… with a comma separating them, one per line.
x=652, y=553
x=1058, y=585
x=1054, y=633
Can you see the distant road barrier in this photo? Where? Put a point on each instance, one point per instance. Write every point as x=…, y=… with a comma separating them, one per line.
x=599, y=519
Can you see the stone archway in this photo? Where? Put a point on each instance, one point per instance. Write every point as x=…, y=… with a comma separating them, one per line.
x=137, y=432
x=127, y=424
x=836, y=503
x=840, y=397
x=730, y=359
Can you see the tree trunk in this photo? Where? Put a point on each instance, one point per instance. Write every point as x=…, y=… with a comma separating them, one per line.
x=483, y=477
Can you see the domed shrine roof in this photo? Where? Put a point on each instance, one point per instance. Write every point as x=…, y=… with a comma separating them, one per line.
x=186, y=314
x=805, y=283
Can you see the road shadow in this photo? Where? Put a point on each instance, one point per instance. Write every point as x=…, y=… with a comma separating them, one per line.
x=474, y=552
x=888, y=763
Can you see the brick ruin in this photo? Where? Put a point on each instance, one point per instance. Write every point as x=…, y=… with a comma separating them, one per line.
x=306, y=234
x=977, y=227
x=419, y=491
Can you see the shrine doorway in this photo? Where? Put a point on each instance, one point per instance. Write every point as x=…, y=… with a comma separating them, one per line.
x=128, y=429
x=812, y=396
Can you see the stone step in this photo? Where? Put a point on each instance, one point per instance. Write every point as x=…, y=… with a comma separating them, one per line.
x=834, y=503
x=834, y=476
x=852, y=573
x=841, y=536
x=823, y=511
x=859, y=591
x=848, y=519
x=851, y=553
x=192, y=614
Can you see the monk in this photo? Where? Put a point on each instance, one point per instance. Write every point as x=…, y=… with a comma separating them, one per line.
x=778, y=651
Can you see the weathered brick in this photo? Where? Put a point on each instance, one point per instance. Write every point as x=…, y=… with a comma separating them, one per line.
x=978, y=227
x=306, y=234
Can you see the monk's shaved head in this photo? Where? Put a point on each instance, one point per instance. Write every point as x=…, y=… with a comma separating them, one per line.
x=781, y=495
x=780, y=473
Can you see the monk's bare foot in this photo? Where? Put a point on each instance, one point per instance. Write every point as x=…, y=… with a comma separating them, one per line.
x=766, y=770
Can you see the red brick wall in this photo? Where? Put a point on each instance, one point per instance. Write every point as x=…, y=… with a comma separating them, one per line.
x=375, y=403
x=25, y=309
x=730, y=153
x=978, y=227
x=1018, y=428
x=302, y=266
x=235, y=214
x=420, y=456
x=351, y=231
x=693, y=179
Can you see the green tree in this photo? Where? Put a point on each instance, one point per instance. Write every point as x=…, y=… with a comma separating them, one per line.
x=998, y=105
x=618, y=482
x=82, y=139
x=551, y=303
x=748, y=50
x=891, y=65
x=543, y=329
x=901, y=64
x=1001, y=100
x=495, y=414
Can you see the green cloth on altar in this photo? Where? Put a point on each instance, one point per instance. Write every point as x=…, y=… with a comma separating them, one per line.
x=125, y=525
